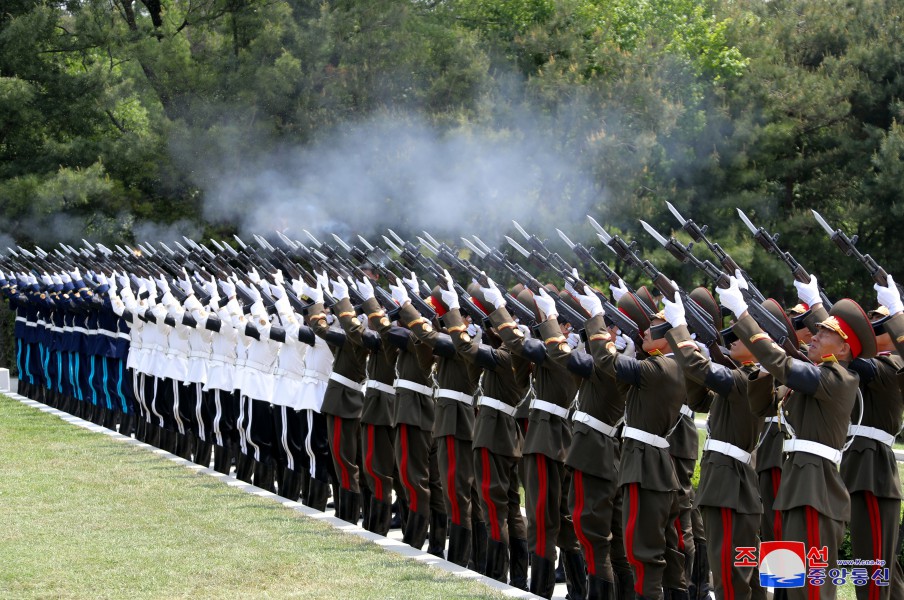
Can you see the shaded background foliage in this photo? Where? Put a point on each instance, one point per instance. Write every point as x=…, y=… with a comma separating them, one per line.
x=119, y=118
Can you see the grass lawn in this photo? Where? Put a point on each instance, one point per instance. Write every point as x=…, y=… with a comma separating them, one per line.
x=88, y=517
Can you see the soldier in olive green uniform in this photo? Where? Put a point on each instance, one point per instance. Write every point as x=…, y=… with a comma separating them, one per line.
x=344, y=398
x=376, y=419
x=813, y=499
x=497, y=445
x=653, y=400
x=727, y=494
x=453, y=425
x=413, y=418
x=593, y=461
x=548, y=436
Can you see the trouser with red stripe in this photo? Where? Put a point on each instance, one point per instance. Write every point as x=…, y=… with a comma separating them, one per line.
x=377, y=460
x=412, y=454
x=456, y=470
x=816, y=530
x=651, y=540
x=617, y=556
x=729, y=530
x=590, y=500
x=771, y=519
x=684, y=470
x=497, y=483
x=548, y=520
x=874, y=536
x=344, y=435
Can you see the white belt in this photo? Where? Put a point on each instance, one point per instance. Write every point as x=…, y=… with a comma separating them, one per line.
x=314, y=374
x=727, y=449
x=342, y=379
x=30, y=324
x=453, y=395
x=80, y=330
x=414, y=387
x=21, y=319
x=198, y=354
x=549, y=407
x=594, y=423
x=257, y=365
x=772, y=420
x=497, y=404
x=113, y=334
x=686, y=411
x=872, y=433
x=56, y=329
x=386, y=389
x=821, y=450
x=645, y=436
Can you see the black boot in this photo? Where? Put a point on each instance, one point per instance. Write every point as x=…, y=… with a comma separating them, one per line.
x=479, y=540
x=169, y=441
x=318, y=492
x=439, y=524
x=396, y=522
x=222, y=459
x=542, y=576
x=109, y=419
x=497, y=561
x=676, y=594
x=459, y=545
x=519, y=558
x=600, y=589
x=415, y=530
x=290, y=484
x=700, y=572
x=380, y=514
x=202, y=451
x=349, y=506
x=624, y=585
x=244, y=468
x=575, y=575
x=264, y=477
x=184, y=445
x=366, y=495
x=560, y=570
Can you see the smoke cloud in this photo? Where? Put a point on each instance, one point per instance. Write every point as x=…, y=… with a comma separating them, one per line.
x=400, y=173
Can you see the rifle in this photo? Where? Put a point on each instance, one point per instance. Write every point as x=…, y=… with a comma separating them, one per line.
x=585, y=255
x=849, y=247
x=728, y=264
x=770, y=243
x=698, y=318
x=546, y=259
x=383, y=297
x=775, y=328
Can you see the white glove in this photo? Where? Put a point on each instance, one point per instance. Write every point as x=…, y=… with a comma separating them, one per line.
x=448, y=295
x=185, y=284
x=210, y=287
x=618, y=290
x=228, y=288
x=493, y=294
x=621, y=342
x=323, y=282
x=253, y=275
x=590, y=302
x=56, y=279
x=742, y=281
x=278, y=278
x=808, y=293
x=162, y=284
x=732, y=299
x=399, y=293
x=411, y=282
x=46, y=280
x=889, y=296
x=546, y=304
x=340, y=289
x=630, y=350
x=75, y=274
x=674, y=311
x=100, y=278
x=703, y=350
x=277, y=291
x=251, y=291
x=314, y=293
x=151, y=287
x=66, y=278
x=298, y=287
x=365, y=288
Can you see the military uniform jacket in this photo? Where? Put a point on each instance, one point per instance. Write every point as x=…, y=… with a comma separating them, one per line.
x=652, y=404
x=453, y=417
x=818, y=409
x=725, y=481
x=547, y=433
x=378, y=405
x=592, y=451
x=413, y=362
x=339, y=399
x=770, y=455
x=505, y=378
x=868, y=464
